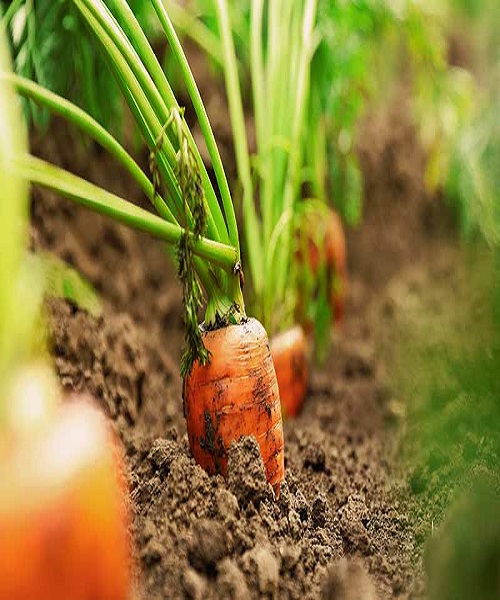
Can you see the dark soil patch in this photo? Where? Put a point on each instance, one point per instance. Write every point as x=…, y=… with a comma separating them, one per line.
x=339, y=526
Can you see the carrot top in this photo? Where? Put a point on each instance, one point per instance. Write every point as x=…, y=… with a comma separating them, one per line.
x=191, y=217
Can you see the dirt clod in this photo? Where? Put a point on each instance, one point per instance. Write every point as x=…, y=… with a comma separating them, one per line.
x=161, y=455
x=207, y=544
x=227, y=504
x=194, y=585
x=290, y=556
x=231, y=582
x=319, y=511
x=314, y=457
x=246, y=474
x=347, y=579
x=262, y=563
x=353, y=517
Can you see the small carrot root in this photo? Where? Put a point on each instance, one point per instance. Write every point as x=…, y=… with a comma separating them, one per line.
x=235, y=395
x=62, y=513
x=289, y=350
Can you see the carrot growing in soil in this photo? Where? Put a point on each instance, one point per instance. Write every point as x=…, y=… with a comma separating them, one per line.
x=63, y=524
x=63, y=521
x=290, y=352
x=236, y=391
x=286, y=44
x=228, y=349
x=321, y=250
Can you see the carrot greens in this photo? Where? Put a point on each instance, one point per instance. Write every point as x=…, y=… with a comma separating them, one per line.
x=282, y=42
x=190, y=214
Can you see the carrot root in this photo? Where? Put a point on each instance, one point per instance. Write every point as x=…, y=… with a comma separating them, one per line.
x=290, y=354
x=235, y=395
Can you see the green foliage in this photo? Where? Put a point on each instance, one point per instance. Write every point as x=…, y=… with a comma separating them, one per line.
x=198, y=20
x=456, y=108
x=52, y=45
x=473, y=178
x=15, y=323
x=463, y=559
x=342, y=79
x=59, y=280
x=445, y=364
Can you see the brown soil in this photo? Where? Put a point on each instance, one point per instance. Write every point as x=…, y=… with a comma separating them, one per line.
x=339, y=529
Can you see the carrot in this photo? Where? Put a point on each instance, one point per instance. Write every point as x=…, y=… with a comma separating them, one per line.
x=291, y=362
x=336, y=258
x=30, y=398
x=235, y=395
x=62, y=518
x=336, y=255
x=325, y=241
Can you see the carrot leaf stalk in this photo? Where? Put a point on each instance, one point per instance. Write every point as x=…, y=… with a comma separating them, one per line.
x=282, y=43
x=192, y=294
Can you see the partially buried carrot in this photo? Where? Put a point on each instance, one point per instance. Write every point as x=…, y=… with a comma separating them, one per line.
x=291, y=362
x=323, y=233
x=336, y=257
x=62, y=517
x=235, y=395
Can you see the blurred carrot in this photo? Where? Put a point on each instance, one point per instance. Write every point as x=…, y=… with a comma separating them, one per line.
x=62, y=515
x=336, y=260
x=291, y=362
x=325, y=240
x=235, y=395
x=29, y=399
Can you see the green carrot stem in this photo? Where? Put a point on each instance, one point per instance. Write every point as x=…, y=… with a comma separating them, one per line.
x=91, y=196
x=293, y=171
x=85, y=122
x=146, y=54
x=11, y=11
x=203, y=120
x=136, y=82
x=188, y=24
x=146, y=118
x=252, y=226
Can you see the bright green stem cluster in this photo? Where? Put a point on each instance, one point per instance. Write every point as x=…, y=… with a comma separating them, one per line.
x=280, y=69
x=189, y=214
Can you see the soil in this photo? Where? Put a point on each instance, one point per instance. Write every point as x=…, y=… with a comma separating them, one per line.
x=341, y=528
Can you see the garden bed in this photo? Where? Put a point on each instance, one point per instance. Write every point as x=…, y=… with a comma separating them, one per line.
x=342, y=520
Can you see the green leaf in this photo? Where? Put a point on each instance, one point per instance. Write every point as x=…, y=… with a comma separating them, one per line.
x=62, y=281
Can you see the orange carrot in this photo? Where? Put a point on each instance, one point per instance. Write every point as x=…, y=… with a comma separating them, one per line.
x=30, y=399
x=326, y=242
x=235, y=395
x=62, y=517
x=336, y=258
x=291, y=362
